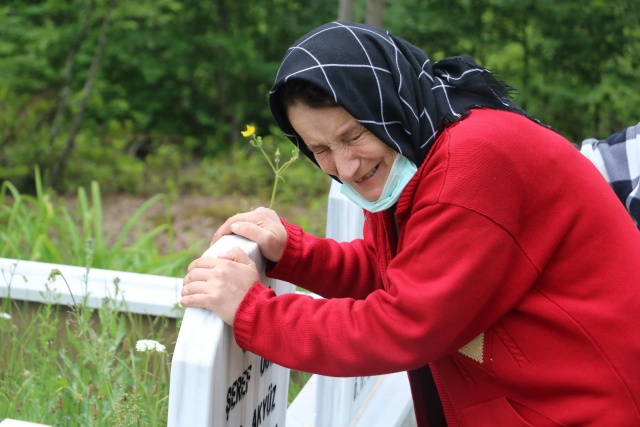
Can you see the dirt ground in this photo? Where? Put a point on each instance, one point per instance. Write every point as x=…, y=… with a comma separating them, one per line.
x=194, y=217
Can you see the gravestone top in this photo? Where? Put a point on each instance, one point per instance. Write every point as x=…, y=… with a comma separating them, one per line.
x=216, y=383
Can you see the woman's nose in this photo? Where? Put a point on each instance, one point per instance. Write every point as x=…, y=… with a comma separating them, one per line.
x=345, y=166
x=338, y=164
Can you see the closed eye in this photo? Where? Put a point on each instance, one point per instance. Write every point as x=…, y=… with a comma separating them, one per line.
x=356, y=136
x=318, y=150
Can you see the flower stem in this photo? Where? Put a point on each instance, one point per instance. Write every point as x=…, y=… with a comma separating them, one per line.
x=273, y=191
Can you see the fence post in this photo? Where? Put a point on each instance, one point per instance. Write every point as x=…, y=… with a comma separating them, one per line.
x=378, y=401
x=213, y=381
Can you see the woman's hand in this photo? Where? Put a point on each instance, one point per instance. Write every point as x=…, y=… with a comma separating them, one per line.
x=219, y=284
x=262, y=226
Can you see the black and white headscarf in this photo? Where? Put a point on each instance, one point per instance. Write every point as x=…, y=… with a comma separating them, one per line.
x=388, y=85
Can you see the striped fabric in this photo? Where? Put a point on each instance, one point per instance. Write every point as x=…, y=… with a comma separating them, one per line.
x=618, y=159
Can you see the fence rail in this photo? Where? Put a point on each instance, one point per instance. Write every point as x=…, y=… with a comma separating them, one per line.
x=138, y=293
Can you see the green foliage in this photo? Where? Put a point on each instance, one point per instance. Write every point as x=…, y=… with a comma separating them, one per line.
x=178, y=79
x=573, y=63
x=39, y=229
x=243, y=171
x=172, y=69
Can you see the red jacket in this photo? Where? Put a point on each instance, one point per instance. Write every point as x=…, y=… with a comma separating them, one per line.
x=515, y=275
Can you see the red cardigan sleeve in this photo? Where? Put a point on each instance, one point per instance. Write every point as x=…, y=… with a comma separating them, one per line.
x=436, y=300
x=344, y=269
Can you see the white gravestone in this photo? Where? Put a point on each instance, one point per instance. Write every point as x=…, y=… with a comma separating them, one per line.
x=383, y=401
x=213, y=381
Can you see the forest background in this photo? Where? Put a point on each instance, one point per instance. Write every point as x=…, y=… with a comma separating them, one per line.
x=121, y=148
x=150, y=96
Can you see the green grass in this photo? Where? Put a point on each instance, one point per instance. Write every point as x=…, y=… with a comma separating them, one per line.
x=78, y=366
x=36, y=228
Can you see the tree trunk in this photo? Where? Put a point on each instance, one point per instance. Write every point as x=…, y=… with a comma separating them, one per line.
x=375, y=13
x=67, y=74
x=345, y=10
x=58, y=168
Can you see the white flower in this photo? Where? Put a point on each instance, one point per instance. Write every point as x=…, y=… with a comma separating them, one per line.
x=149, y=345
x=5, y=316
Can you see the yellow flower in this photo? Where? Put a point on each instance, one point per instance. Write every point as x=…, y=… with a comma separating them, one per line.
x=250, y=131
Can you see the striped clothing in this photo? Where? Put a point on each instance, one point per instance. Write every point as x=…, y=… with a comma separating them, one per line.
x=618, y=159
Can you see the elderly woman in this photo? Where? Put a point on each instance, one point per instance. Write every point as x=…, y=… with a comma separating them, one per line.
x=497, y=266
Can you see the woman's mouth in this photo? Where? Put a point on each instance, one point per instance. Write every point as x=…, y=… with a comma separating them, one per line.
x=369, y=175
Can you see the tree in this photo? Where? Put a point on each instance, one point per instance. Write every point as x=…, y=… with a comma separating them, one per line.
x=374, y=14
x=188, y=75
x=59, y=165
x=345, y=10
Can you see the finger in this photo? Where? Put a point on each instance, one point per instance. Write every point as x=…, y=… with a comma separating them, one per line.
x=196, y=287
x=195, y=300
x=256, y=216
x=254, y=232
x=203, y=262
x=199, y=268
x=226, y=227
x=212, y=288
x=238, y=255
x=224, y=230
x=199, y=275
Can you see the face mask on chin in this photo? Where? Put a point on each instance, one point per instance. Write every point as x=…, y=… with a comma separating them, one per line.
x=400, y=174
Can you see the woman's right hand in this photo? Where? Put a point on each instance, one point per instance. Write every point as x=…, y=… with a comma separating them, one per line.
x=262, y=226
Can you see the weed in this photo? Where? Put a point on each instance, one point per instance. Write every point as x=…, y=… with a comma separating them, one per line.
x=277, y=169
x=75, y=366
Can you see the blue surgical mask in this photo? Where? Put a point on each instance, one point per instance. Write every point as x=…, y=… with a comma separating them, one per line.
x=400, y=174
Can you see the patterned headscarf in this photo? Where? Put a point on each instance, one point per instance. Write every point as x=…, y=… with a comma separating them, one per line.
x=390, y=86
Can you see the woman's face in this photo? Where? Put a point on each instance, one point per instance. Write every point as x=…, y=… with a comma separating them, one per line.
x=344, y=148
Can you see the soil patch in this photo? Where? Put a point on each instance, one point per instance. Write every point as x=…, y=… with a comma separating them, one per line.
x=194, y=218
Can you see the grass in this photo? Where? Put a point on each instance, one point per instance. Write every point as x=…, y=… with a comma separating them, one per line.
x=78, y=366
x=36, y=228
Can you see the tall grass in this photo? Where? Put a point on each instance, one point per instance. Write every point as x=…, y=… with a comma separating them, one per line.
x=36, y=228
x=78, y=366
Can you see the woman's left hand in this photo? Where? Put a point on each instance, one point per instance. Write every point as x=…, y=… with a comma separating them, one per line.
x=219, y=284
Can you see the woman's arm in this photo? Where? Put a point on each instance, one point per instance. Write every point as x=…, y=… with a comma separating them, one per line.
x=326, y=267
x=437, y=301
